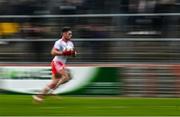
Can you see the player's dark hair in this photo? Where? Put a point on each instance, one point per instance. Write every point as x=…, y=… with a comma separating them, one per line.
x=66, y=29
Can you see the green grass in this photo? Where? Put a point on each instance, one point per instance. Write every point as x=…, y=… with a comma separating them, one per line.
x=22, y=105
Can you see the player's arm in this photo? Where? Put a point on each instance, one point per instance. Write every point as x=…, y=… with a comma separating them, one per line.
x=56, y=52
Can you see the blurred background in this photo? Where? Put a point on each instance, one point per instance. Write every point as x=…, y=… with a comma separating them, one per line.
x=104, y=31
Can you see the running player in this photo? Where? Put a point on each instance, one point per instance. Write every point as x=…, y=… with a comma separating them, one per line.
x=63, y=48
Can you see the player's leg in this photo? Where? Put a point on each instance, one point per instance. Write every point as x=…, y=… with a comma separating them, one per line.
x=61, y=72
x=65, y=77
x=68, y=73
x=51, y=85
x=47, y=89
x=60, y=75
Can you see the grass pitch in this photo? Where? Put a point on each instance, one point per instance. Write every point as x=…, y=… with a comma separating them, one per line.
x=23, y=105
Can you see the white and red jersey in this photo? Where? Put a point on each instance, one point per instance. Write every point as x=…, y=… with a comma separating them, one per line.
x=62, y=45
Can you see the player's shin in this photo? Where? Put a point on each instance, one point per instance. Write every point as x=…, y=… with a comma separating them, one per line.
x=64, y=78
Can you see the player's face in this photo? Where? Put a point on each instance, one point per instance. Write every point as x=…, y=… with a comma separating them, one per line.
x=68, y=35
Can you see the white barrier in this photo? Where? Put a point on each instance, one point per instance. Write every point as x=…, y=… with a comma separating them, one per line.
x=33, y=79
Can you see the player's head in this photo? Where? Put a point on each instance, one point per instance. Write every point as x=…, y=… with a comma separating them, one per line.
x=66, y=33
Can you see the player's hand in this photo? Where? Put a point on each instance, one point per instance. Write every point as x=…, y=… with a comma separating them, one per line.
x=74, y=52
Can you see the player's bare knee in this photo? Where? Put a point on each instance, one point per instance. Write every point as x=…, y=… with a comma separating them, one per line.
x=66, y=78
x=68, y=72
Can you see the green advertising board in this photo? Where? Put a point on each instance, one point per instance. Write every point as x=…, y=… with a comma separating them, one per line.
x=105, y=82
x=86, y=80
